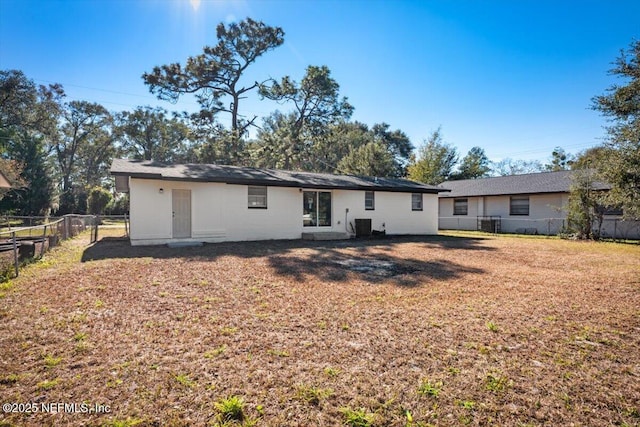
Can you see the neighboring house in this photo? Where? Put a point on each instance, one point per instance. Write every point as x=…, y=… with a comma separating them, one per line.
x=531, y=203
x=4, y=182
x=212, y=203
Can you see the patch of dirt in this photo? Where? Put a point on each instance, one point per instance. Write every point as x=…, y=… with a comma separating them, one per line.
x=456, y=331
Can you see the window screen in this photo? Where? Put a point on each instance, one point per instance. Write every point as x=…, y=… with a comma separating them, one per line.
x=416, y=202
x=519, y=205
x=460, y=206
x=369, y=200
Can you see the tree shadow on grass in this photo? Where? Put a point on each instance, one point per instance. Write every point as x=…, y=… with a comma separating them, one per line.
x=376, y=260
x=334, y=266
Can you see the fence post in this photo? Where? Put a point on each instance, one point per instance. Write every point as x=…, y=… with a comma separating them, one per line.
x=44, y=239
x=15, y=253
x=66, y=227
x=94, y=232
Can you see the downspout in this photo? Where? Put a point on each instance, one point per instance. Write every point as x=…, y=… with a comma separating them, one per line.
x=346, y=221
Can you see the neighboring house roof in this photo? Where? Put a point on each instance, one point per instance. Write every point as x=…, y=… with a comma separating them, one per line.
x=271, y=177
x=532, y=183
x=4, y=182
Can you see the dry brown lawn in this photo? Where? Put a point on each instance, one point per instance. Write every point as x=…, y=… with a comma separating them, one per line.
x=412, y=331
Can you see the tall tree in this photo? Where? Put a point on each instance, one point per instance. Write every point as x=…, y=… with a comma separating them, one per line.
x=621, y=105
x=215, y=75
x=372, y=159
x=397, y=143
x=274, y=147
x=148, y=133
x=83, y=125
x=508, y=166
x=583, y=210
x=434, y=162
x=94, y=158
x=330, y=147
x=592, y=158
x=474, y=165
x=316, y=103
x=33, y=192
x=560, y=160
x=27, y=118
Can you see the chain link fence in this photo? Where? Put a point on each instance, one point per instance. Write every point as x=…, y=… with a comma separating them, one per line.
x=20, y=244
x=611, y=228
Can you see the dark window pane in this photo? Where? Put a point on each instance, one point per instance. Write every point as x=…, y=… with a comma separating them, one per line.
x=324, y=209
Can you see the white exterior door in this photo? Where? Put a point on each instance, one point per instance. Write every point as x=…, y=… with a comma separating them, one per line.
x=181, y=204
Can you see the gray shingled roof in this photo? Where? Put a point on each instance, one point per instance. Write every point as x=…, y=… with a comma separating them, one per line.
x=533, y=183
x=272, y=177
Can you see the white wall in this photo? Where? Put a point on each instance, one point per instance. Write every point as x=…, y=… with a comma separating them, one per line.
x=392, y=212
x=546, y=213
x=220, y=213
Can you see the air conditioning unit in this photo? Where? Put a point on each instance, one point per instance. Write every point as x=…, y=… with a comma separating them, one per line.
x=363, y=227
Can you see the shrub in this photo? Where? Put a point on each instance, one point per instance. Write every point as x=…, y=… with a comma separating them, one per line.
x=98, y=200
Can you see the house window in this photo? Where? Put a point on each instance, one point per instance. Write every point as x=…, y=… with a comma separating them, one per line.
x=416, y=202
x=519, y=205
x=460, y=206
x=316, y=209
x=609, y=210
x=257, y=197
x=369, y=200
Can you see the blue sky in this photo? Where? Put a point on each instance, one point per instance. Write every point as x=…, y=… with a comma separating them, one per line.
x=513, y=77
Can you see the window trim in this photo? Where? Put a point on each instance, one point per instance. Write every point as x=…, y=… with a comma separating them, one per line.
x=249, y=195
x=372, y=199
x=413, y=199
x=466, y=206
x=515, y=212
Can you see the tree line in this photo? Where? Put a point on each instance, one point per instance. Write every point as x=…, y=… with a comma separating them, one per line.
x=58, y=152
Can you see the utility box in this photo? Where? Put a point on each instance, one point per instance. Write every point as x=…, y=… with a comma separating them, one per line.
x=490, y=224
x=363, y=227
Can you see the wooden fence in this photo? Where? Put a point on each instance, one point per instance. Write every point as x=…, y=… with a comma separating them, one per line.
x=20, y=244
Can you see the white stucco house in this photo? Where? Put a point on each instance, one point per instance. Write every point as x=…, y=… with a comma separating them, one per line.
x=213, y=203
x=530, y=203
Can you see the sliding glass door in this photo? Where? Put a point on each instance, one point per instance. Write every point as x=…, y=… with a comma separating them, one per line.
x=316, y=209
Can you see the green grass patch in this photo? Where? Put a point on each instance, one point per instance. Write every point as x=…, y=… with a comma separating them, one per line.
x=332, y=372
x=496, y=382
x=48, y=384
x=215, y=352
x=185, y=380
x=129, y=422
x=230, y=409
x=427, y=388
x=358, y=417
x=278, y=353
x=51, y=362
x=312, y=395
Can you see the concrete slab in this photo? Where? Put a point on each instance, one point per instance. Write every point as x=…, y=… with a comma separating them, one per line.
x=325, y=235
